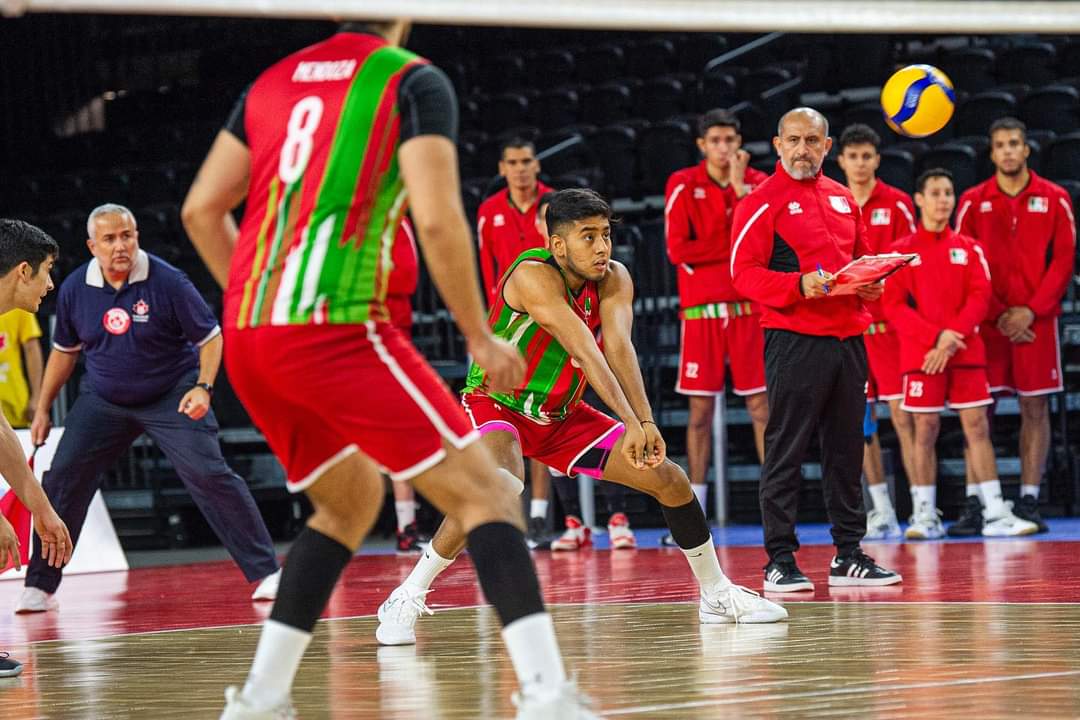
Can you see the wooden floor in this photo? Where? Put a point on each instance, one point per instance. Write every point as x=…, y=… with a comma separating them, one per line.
x=978, y=630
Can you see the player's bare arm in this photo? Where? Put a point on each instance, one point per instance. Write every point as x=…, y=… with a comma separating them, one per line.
x=220, y=186
x=56, y=545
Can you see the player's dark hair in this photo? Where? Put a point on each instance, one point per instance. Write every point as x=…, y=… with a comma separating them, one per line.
x=375, y=27
x=513, y=142
x=927, y=175
x=542, y=201
x=22, y=242
x=568, y=206
x=859, y=134
x=718, y=117
x=1008, y=123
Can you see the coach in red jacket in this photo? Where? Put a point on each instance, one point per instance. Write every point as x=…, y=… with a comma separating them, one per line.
x=788, y=234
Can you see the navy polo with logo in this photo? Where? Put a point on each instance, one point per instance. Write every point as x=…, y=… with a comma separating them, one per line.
x=138, y=341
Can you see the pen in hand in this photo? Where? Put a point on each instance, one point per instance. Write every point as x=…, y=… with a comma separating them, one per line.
x=821, y=273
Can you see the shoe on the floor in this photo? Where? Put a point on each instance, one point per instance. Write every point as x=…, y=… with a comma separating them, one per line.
x=620, y=534
x=237, y=709
x=1028, y=509
x=408, y=540
x=1008, y=525
x=925, y=524
x=398, y=615
x=537, y=536
x=882, y=524
x=568, y=704
x=859, y=570
x=785, y=576
x=267, y=589
x=575, y=537
x=34, y=600
x=970, y=522
x=736, y=604
x=668, y=541
x=9, y=668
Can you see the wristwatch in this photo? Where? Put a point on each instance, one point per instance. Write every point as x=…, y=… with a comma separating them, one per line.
x=207, y=387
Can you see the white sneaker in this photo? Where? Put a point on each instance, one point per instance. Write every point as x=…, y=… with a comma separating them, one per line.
x=267, y=589
x=925, y=524
x=236, y=708
x=1008, y=525
x=568, y=704
x=736, y=604
x=398, y=615
x=575, y=537
x=620, y=534
x=34, y=600
x=882, y=524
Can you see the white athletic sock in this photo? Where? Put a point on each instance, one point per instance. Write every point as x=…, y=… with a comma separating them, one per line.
x=701, y=492
x=1032, y=490
x=534, y=651
x=538, y=508
x=924, y=494
x=427, y=569
x=879, y=495
x=991, y=497
x=706, y=567
x=406, y=513
x=276, y=659
x=971, y=490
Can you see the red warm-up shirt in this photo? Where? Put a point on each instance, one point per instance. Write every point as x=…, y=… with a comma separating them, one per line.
x=889, y=215
x=504, y=232
x=697, y=223
x=1029, y=240
x=946, y=288
x=786, y=228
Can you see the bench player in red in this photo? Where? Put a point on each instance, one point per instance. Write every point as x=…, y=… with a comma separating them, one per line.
x=329, y=147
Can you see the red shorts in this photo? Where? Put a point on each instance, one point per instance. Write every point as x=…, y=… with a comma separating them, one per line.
x=885, y=381
x=957, y=388
x=1032, y=368
x=580, y=443
x=320, y=394
x=706, y=342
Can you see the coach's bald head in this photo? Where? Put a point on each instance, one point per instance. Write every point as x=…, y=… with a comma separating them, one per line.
x=802, y=141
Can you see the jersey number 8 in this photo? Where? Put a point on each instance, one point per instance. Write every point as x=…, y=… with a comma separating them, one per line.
x=296, y=151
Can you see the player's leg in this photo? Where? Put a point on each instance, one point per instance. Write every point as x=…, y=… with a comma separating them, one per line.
x=924, y=397
x=757, y=405
x=576, y=534
x=1037, y=374
x=881, y=519
x=904, y=427
x=539, y=492
x=699, y=443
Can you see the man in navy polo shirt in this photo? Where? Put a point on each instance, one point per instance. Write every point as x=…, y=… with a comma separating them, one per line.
x=153, y=349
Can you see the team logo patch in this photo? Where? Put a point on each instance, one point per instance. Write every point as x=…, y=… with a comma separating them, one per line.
x=840, y=204
x=116, y=321
x=141, y=310
x=794, y=208
x=880, y=216
x=986, y=206
x=958, y=256
x=1038, y=204
x=499, y=220
x=699, y=193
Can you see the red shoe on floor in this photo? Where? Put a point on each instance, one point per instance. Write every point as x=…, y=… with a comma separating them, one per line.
x=620, y=534
x=575, y=537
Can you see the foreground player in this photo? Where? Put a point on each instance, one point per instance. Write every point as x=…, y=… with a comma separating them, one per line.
x=553, y=304
x=328, y=147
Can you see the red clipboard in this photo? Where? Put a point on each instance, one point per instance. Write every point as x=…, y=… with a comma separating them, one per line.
x=867, y=270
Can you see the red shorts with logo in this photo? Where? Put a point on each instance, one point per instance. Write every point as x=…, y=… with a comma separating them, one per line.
x=885, y=381
x=320, y=394
x=1032, y=368
x=706, y=342
x=580, y=443
x=957, y=388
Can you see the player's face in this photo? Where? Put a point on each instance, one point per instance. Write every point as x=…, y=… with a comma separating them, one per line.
x=1009, y=151
x=937, y=200
x=114, y=243
x=802, y=146
x=859, y=163
x=586, y=248
x=719, y=145
x=34, y=286
x=520, y=168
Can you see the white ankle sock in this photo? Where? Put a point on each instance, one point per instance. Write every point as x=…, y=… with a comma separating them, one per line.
x=276, y=659
x=701, y=492
x=924, y=494
x=879, y=495
x=427, y=569
x=538, y=508
x=991, y=497
x=1032, y=490
x=406, y=513
x=971, y=490
x=534, y=651
x=706, y=567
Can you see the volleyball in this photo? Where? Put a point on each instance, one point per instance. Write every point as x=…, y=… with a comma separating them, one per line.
x=918, y=100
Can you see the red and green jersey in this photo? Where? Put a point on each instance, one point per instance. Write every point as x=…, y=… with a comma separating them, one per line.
x=553, y=383
x=325, y=198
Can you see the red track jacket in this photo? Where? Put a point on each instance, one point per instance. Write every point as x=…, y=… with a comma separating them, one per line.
x=889, y=216
x=504, y=232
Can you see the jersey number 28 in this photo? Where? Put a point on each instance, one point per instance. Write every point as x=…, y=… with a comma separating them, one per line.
x=296, y=150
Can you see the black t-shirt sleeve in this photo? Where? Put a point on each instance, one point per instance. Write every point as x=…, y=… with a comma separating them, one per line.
x=235, y=123
x=427, y=103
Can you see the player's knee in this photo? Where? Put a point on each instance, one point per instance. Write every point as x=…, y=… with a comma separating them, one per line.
x=757, y=406
x=976, y=427
x=926, y=428
x=673, y=486
x=1034, y=408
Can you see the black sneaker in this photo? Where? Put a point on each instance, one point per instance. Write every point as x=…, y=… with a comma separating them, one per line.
x=408, y=540
x=537, y=536
x=668, y=541
x=970, y=522
x=785, y=576
x=9, y=668
x=1028, y=509
x=859, y=569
